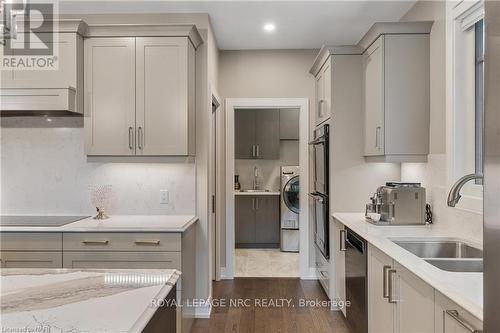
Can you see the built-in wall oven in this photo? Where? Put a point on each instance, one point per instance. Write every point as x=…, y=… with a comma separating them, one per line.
x=319, y=196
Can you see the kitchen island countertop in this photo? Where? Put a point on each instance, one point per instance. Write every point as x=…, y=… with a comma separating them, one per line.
x=89, y=300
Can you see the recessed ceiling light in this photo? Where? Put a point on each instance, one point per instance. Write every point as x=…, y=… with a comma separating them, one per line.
x=269, y=27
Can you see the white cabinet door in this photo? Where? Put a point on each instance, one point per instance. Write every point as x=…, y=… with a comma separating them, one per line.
x=320, y=84
x=374, y=98
x=165, y=92
x=40, y=259
x=380, y=311
x=414, y=303
x=451, y=318
x=110, y=96
x=340, y=263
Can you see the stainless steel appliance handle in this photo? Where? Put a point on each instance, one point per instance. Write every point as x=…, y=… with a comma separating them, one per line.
x=130, y=138
x=342, y=240
x=390, y=297
x=454, y=314
x=140, y=137
x=317, y=197
x=385, y=273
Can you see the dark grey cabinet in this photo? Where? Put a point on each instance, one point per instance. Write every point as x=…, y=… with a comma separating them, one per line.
x=256, y=134
x=257, y=221
x=289, y=124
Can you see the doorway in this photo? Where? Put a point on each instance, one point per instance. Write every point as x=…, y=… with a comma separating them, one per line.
x=262, y=246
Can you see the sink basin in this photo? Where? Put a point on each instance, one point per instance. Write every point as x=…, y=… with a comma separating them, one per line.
x=440, y=249
x=254, y=191
x=458, y=265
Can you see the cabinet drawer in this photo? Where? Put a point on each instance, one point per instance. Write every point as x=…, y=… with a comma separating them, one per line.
x=30, y=241
x=323, y=272
x=451, y=318
x=15, y=259
x=122, y=260
x=137, y=242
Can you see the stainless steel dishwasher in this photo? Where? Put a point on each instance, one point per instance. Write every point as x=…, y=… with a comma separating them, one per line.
x=356, y=282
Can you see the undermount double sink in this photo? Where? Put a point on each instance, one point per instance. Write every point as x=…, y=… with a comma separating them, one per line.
x=449, y=255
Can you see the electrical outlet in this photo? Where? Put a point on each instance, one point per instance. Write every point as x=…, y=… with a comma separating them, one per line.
x=163, y=197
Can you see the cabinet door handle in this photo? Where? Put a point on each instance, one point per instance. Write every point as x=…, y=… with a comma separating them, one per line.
x=386, y=281
x=140, y=137
x=323, y=273
x=390, y=296
x=256, y=203
x=95, y=242
x=253, y=203
x=130, y=138
x=342, y=240
x=378, y=138
x=258, y=150
x=454, y=314
x=320, y=107
x=147, y=242
x=253, y=151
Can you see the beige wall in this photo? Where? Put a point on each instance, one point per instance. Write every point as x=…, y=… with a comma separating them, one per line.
x=266, y=73
x=435, y=11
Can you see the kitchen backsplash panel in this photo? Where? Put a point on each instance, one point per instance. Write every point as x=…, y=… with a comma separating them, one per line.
x=269, y=170
x=44, y=171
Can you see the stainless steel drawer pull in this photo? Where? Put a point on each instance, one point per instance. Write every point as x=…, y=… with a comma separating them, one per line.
x=147, y=242
x=342, y=240
x=390, y=297
x=95, y=242
x=385, y=273
x=454, y=314
x=140, y=137
x=130, y=138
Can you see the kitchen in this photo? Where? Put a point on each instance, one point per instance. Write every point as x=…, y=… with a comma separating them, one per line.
x=166, y=180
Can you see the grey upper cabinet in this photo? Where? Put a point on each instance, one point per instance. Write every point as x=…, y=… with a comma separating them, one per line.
x=397, y=98
x=257, y=221
x=140, y=91
x=289, y=124
x=244, y=132
x=257, y=134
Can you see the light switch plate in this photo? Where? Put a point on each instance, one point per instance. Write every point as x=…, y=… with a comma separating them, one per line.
x=164, y=197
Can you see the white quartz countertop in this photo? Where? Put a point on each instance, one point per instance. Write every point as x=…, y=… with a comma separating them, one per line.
x=117, y=223
x=465, y=289
x=63, y=300
x=257, y=193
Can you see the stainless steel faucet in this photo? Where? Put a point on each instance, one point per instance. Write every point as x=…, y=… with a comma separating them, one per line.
x=454, y=195
x=256, y=184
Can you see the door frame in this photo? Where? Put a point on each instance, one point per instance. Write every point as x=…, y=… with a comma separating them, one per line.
x=215, y=186
x=269, y=103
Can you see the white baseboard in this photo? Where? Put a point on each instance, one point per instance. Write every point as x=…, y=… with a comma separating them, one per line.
x=203, y=312
x=309, y=275
x=223, y=273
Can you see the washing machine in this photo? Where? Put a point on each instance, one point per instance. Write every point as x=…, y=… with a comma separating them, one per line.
x=289, y=224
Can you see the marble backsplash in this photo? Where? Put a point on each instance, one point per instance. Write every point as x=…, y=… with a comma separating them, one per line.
x=433, y=176
x=44, y=171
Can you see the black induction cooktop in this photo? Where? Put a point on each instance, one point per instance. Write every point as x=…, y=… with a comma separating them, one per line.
x=38, y=221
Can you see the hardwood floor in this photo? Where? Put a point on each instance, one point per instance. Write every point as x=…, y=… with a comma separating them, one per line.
x=250, y=317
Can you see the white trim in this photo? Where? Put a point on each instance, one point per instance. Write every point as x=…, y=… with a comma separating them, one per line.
x=242, y=103
x=457, y=16
x=203, y=312
x=223, y=273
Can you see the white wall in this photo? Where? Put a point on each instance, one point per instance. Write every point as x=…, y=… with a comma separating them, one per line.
x=44, y=171
x=435, y=173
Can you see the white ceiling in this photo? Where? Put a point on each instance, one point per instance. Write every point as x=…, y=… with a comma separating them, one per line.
x=238, y=24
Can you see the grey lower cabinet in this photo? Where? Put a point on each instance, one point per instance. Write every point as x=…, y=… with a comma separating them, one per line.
x=28, y=259
x=257, y=134
x=257, y=221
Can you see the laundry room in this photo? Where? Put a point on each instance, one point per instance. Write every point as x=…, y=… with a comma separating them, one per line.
x=266, y=192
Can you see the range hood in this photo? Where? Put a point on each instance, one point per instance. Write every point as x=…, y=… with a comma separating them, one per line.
x=38, y=101
x=48, y=91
